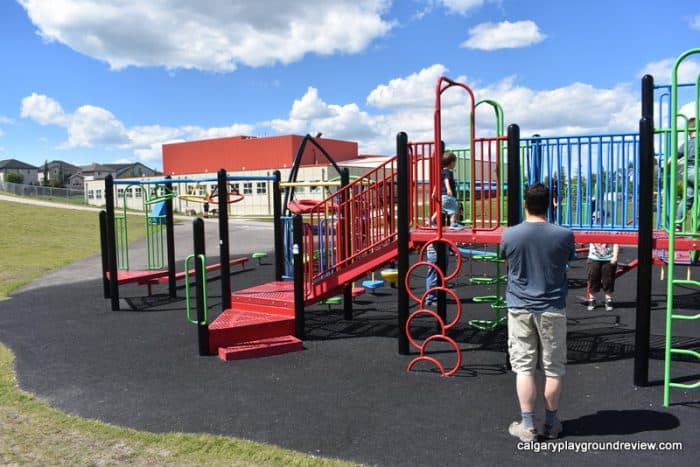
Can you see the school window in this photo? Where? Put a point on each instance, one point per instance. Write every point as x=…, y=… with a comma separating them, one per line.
x=91, y=194
x=261, y=188
x=120, y=192
x=130, y=193
x=235, y=188
x=315, y=189
x=248, y=188
x=137, y=192
x=98, y=194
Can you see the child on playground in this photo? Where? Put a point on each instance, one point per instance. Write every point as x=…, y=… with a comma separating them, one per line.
x=449, y=190
x=601, y=269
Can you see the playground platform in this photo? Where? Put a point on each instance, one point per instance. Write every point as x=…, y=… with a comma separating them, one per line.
x=347, y=395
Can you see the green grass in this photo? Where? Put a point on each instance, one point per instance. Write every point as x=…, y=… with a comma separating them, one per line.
x=38, y=239
x=35, y=240
x=73, y=199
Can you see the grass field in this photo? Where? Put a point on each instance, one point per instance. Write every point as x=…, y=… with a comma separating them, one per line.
x=35, y=240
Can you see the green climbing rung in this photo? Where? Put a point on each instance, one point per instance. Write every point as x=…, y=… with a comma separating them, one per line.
x=686, y=317
x=494, y=258
x=483, y=280
x=686, y=282
x=486, y=299
x=695, y=385
x=486, y=324
x=692, y=353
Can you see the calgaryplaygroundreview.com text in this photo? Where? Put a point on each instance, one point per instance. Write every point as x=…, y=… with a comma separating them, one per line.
x=589, y=446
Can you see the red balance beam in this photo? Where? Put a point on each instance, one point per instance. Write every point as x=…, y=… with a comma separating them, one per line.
x=162, y=279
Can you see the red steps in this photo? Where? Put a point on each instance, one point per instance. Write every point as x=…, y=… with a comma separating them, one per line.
x=261, y=348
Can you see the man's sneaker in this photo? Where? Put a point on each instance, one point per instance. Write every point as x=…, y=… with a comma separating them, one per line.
x=519, y=431
x=590, y=304
x=553, y=431
x=456, y=226
x=609, y=305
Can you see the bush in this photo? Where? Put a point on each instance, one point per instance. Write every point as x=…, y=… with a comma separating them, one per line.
x=12, y=177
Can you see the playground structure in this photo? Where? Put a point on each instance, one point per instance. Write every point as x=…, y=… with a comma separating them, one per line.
x=160, y=266
x=605, y=190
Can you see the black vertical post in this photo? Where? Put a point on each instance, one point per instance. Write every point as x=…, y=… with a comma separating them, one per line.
x=277, y=225
x=644, y=252
x=345, y=233
x=514, y=187
x=200, y=278
x=170, y=241
x=298, y=252
x=514, y=180
x=112, y=243
x=403, y=189
x=441, y=263
x=104, y=248
x=224, y=241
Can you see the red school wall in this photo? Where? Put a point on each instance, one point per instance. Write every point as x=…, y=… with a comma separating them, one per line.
x=243, y=153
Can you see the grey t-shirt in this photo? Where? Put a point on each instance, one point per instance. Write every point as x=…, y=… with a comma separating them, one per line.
x=537, y=254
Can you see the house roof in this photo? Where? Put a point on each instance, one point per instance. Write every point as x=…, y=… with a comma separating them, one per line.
x=15, y=164
x=94, y=167
x=63, y=164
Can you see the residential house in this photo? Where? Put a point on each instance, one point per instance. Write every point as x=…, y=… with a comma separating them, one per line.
x=96, y=171
x=59, y=170
x=28, y=172
x=136, y=169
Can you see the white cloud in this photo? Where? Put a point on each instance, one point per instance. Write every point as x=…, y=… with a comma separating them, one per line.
x=461, y=6
x=504, y=35
x=208, y=35
x=416, y=89
x=91, y=126
x=688, y=71
x=42, y=109
x=402, y=104
x=695, y=22
x=6, y=120
x=311, y=114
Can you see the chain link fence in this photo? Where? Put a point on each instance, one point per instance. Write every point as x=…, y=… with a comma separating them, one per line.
x=36, y=191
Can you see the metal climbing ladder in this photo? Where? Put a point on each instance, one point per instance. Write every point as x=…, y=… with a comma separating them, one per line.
x=682, y=226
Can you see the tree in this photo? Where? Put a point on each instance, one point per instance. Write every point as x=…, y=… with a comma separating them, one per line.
x=13, y=177
x=45, y=181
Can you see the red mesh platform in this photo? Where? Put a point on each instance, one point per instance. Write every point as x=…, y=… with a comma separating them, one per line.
x=235, y=326
x=261, y=348
x=273, y=294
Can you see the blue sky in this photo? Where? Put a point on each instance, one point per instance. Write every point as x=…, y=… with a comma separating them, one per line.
x=89, y=81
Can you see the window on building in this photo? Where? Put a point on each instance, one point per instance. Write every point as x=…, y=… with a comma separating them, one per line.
x=129, y=192
x=261, y=188
x=98, y=194
x=120, y=192
x=235, y=188
x=137, y=192
x=248, y=188
x=91, y=194
x=315, y=189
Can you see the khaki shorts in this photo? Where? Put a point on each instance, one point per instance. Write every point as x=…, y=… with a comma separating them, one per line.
x=537, y=337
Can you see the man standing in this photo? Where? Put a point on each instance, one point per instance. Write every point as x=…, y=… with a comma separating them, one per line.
x=537, y=253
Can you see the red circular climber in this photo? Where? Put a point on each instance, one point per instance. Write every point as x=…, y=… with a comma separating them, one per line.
x=434, y=361
x=455, y=250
